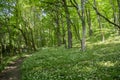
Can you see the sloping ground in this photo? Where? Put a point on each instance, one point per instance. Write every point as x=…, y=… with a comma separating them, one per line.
x=99, y=62
x=12, y=71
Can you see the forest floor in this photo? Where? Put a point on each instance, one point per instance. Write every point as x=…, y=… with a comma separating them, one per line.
x=100, y=61
x=12, y=71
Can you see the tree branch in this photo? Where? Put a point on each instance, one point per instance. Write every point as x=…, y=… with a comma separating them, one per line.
x=98, y=13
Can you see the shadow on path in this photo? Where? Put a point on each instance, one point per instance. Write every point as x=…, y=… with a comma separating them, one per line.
x=12, y=71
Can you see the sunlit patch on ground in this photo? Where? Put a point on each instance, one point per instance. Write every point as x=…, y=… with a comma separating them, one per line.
x=107, y=63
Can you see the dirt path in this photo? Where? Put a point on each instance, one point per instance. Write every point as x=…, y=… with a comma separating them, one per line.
x=12, y=71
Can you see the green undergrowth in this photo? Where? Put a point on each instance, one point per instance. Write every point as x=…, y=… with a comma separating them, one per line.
x=99, y=62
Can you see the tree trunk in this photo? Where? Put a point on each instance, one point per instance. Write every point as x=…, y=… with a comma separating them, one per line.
x=83, y=44
x=88, y=14
x=32, y=39
x=58, y=34
x=63, y=32
x=118, y=2
x=68, y=24
x=114, y=13
x=100, y=24
x=76, y=31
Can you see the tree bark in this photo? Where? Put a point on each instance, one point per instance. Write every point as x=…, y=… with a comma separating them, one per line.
x=83, y=44
x=82, y=18
x=118, y=2
x=88, y=14
x=99, y=22
x=32, y=40
x=58, y=34
x=63, y=32
x=68, y=24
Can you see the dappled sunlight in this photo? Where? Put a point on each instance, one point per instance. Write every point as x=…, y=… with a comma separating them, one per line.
x=99, y=61
x=107, y=63
x=10, y=67
x=12, y=71
x=50, y=48
x=44, y=48
x=87, y=69
x=14, y=57
x=99, y=55
x=27, y=55
x=12, y=78
x=76, y=45
x=111, y=40
x=60, y=39
x=37, y=68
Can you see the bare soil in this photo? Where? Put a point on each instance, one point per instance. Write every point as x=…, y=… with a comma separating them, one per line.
x=12, y=71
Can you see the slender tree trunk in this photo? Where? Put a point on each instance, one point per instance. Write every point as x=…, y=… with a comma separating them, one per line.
x=10, y=40
x=10, y=35
x=114, y=11
x=58, y=34
x=33, y=42
x=17, y=22
x=88, y=14
x=83, y=44
x=68, y=24
x=32, y=30
x=64, y=40
x=118, y=1
x=100, y=24
x=76, y=31
x=63, y=32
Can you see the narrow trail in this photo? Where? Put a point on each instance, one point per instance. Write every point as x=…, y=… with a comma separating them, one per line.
x=12, y=71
